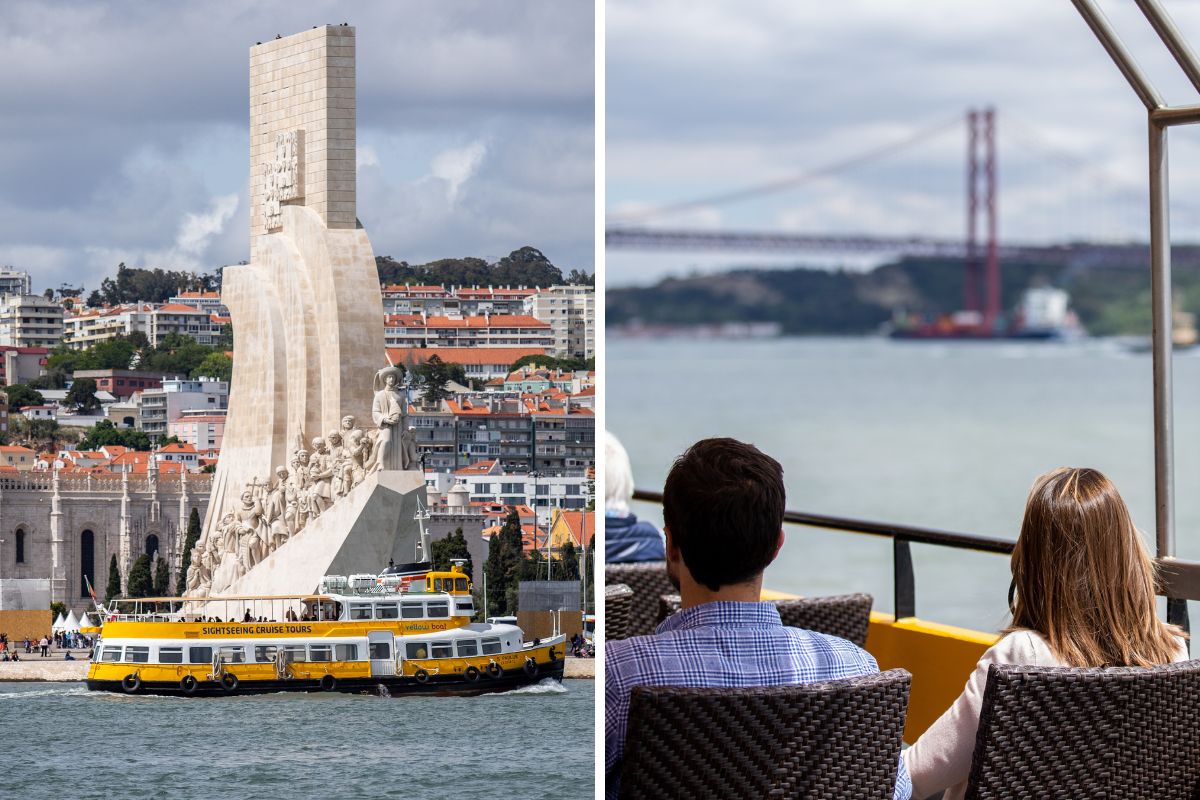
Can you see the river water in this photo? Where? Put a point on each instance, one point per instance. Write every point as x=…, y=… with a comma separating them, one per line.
x=942, y=435
x=64, y=741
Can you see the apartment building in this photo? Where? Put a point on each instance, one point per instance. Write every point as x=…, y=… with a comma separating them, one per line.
x=422, y=330
x=22, y=364
x=30, y=320
x=571, y=313
x=90, y=326
x=202, y=325
x=161, y=407
x=15, y=282
x=454, y=301
x=205, y=301
x=200, y=427
x=486, y=482
x=479, y=363
x=122, y=382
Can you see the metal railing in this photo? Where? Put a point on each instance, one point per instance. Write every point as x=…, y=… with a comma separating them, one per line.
x=1176, y=578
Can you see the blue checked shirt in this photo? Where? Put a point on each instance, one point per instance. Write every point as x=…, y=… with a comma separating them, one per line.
x=724, y=644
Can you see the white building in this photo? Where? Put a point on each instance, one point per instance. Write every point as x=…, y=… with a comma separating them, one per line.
x=90, y=326
x=161, y=407
x=487, y=483
x=15, y=282
x=30, y=320
x=571, y=313
x=423, y=330
x=200, y=324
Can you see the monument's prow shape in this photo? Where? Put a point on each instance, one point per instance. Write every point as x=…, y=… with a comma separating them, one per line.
x=307, y=312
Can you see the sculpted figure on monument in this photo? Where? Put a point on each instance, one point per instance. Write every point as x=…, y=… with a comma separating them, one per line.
x=275, y=511
x=320, y=475
x=388, y=410
x=339, y=461
x=249, y=519
x=299, y=490
x=221, y=553
x=412, y=457
x=357, y=449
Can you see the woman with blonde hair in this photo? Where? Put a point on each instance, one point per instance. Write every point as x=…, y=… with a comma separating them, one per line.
x=1085, y=597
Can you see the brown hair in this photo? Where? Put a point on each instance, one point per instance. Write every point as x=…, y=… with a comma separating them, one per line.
x=1083, y=577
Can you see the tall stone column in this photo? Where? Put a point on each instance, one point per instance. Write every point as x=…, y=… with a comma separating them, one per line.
x=152, y=478
x=124, y=539
x=58, y=546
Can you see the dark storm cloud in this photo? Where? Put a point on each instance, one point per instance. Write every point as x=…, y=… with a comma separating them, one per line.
x=124, y=132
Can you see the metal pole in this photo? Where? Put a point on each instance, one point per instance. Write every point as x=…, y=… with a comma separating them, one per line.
x=1160, y=287
x=1100, y=26
x=1164, y=26
x=971, y=289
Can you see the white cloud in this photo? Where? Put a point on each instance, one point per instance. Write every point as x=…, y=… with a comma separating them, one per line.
x=198, y=230
x=456, y=167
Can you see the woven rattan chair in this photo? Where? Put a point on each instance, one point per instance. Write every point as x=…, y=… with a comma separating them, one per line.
x=649, y=581
x=617, y=600
x=837, y=739
x=844, y=615
x=1064, y=732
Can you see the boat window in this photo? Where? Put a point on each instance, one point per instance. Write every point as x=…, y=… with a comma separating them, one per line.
x=136, y=654
x=467, y=647
x=380, y=650
x=360, y=611
x=460, y=584
x=491, y=646
x=170, y=655
x=412, y=610
x=441, y=650
x=199, y=655
x=437, y=584
x=320, y=652
x=345, y=652
x=111, y=654
x=293, y=652
x=464, y=606
x=441, y=609
x=385, y=611
x=411, y=650
x=233, y=655
x=265, y=652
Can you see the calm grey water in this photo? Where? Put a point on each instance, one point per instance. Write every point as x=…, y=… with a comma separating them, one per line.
x=943, y=435
x=63, y=741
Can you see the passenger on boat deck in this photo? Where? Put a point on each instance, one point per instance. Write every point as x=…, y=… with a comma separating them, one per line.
x=247, y=618
x=625, y=537
x=1084, y=597
x=723, y=506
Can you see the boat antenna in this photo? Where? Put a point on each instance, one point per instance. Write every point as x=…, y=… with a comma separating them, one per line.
x=423, y=536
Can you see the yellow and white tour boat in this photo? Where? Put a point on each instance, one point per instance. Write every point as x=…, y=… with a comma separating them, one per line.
x=356, y=634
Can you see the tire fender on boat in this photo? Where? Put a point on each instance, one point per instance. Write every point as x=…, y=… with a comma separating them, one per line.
x=187, y=684
x=471, y=674
x=328, y=683
x=493, y=669
x=553, y=654
x=421, y=675
x=531, y=667
x=229, y=681
x=131, y=683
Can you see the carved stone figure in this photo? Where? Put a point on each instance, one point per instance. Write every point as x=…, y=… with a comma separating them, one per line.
x=388, y=411
x=342, y=480
x=275, y=511
x=298, y=495
x=249, y=519
x=357, y=451
x=412, y=457
x=320, y=476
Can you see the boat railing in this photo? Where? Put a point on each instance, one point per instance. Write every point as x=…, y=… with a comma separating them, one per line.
x=1179, y=580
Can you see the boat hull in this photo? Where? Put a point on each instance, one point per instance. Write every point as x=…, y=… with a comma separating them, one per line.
x=396, y=685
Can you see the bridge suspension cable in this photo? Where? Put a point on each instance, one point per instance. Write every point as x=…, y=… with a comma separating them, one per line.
x=776, y=186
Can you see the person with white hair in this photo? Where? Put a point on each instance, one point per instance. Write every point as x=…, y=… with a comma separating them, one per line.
x=626, y=538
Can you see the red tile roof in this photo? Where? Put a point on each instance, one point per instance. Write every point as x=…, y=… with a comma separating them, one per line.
x=504, y=356
x=494, y=321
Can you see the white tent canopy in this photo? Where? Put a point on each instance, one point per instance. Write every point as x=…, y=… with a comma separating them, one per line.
x=58, y=623
x=85, y=621
x=71, y=624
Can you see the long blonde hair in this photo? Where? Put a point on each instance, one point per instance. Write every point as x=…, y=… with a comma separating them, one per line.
x=1083, y=577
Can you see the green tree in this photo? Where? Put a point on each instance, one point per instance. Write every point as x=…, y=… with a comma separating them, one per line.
x=215, y=365
x=504, y=564
x=105, y=433
x=20, y=396
x=432, y=377
x=141, y=583
x=193, y=536
x=55, y=378
x=114, y=580
x=444, y=551
x=82, y=395
x=57, y=609
x=162, y=578
x=566, y=566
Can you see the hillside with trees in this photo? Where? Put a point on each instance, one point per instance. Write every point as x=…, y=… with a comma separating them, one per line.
x=526, y=266
x=1109, y=299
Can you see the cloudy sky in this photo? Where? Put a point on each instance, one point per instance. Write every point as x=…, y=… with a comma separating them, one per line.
x=124, y=136
x=703, y=98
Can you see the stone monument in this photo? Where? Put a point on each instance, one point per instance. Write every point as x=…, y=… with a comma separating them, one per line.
x=307, y=316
